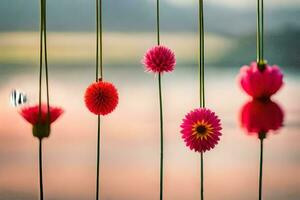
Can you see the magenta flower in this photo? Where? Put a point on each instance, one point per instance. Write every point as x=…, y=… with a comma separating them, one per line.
x=261, y=116
x=260, y=83
x=201, y=129
x=159, y=59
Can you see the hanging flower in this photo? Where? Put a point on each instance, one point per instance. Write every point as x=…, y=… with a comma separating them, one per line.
x=260, y=83
x=261, y=116
x=41, y=127
x=201, y=129
x=101, y=98
x=159, y=59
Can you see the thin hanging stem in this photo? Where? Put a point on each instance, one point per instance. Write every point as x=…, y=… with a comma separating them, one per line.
x=261, y=168
x=98, y=159
x=97, y=39
x=99, y=64
x=260, y=33
x=42, y=23
x=41, y=169
x=161, y=137
x=99, y=45
x=41, y=57
x=262, y=30
x=46, y=61
x=161, y=177
x=202, y=177
x=201, y=54
x=158, y=22
x=201, y=83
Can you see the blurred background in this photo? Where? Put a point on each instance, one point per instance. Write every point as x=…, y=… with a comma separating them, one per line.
x=130, y=135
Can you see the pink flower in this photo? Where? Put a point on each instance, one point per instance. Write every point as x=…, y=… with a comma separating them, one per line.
x=159, y=59
x=41, y=128
x=261, y=116
x=201, y=129
x=260, y=84
x=101, y=98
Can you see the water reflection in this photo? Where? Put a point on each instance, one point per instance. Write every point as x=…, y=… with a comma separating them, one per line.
x=261, y=116
x=130, y=156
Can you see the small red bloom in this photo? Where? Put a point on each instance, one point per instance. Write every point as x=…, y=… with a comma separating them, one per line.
x=201, y=129
x=39, y=118
x=159, y=59
x=101, y=98
x=261, y=116
x=260, y=84
x=31, y=114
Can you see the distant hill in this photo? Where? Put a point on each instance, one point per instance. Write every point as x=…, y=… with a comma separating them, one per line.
x=281, y=47
x=137, y=15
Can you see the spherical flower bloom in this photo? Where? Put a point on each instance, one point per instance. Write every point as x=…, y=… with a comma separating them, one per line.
x=39, y=118
x=260, y=83
x=261, y=116
x=101, y=98
x=201, y=129
x=159, y=59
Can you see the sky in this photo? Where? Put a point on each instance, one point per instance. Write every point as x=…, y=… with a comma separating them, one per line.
x=239, y=3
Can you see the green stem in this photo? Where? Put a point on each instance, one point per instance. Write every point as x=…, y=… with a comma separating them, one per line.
x=41, y=57
x=262, y=30
x=41, y=169
x=258, y=31
x=157, y=22
x=99, y=45
x=260, y=34
x=46, y=61
x=160, y=108
x=161, y=136
x=201, y=53
x=99, y=63
x=98, y=159
x=202, y=177
x=201, y=82
x=97, y=38
x=261, y=169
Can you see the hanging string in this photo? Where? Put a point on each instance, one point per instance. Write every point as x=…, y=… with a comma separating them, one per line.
x=99, y=45
x=43, y=46
x=201, y=82
x=261, y=166
x=41, y=56
x=260, y=33
x=46, y=63
x=99, y=67
x=201, y=54
x=160, y=108
x=41, y=170
x=158, y=22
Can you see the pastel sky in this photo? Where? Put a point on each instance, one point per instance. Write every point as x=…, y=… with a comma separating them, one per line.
x=239, y=3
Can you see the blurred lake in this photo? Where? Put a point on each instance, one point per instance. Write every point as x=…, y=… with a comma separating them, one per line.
x=130, y=135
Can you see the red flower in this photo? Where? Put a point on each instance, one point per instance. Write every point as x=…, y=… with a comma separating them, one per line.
x=40, y=126
x=101, y=98
x=31, y=114
x=261, y=116
x=260, y=84
x=159, y=59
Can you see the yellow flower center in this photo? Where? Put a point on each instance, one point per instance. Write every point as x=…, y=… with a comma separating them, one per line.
x=202, y=130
